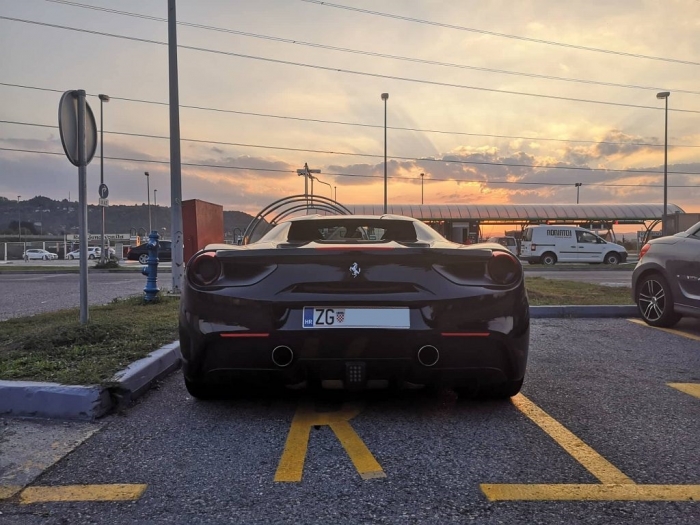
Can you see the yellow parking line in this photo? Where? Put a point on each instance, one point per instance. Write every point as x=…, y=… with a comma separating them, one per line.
x=7, y=491
x=668, y=330
x=596, y=464
x=367, y=467
x=121, y=492
x=578, y=492
x=692, y=389
x=291, y=465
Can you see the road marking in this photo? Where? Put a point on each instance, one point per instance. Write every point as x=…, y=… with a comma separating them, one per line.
x=668, y=330
x=692, y=389
x=118, y=492
x=615, y=485
x=7, y=491
x=596, y=464
x=291, y=465
x=591, y=492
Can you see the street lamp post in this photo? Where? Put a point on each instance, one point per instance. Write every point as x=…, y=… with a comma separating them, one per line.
x=335, y=191
x=19, y=219
x=578, y=187
x=103, y=99
x=155, y=205
x=385, y=96
x=148, y=196
x=319, y=180
x=664, y=95
x=422, y=175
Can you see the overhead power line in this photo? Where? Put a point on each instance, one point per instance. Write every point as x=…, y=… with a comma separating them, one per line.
x=348, y=71
x=364, y=125
x=376, y=156
x=355, y=175
x=501, y=35
x=370, y=53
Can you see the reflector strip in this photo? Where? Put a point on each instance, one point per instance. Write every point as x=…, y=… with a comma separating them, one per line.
x=346, y=248
x=465, y=334
x=244, y=334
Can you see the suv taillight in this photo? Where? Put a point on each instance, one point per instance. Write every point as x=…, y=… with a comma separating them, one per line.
x=644, y=250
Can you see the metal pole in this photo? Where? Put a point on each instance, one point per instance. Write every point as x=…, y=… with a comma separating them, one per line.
x=175, y=165
x=335, y=191
x=665, y=95
x=82, y=216
x=148, y=197
x=663, y=219
x=422, y=175
x=102, y=178
x=385, y=96
x=155, y=205
x=19, y=219
x=306, y=186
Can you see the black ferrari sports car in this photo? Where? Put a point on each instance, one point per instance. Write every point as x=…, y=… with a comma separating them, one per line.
x=354, y=302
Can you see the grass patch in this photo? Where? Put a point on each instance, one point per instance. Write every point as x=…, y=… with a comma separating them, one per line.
x=54, y=346
x=542, y=292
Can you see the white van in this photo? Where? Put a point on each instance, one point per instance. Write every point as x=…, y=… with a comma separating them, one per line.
x=549, y=244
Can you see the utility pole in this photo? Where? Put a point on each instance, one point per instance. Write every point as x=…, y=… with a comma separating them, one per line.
x=306, y=173
x=422, y=175
x=578, y=187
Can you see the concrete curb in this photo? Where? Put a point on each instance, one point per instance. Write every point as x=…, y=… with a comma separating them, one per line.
x=600, y=311
x=136, y=378
x=52, y=400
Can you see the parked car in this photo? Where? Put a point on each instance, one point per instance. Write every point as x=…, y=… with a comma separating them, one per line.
x=38, y=253
x=548, y=244
x=94, y=252
x=666, y=280
x=511, y=243
x=140, y=253
x=354, y=302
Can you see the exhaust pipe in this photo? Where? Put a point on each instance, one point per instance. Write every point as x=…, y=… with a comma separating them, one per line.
x=282, y=356
x=428, y=355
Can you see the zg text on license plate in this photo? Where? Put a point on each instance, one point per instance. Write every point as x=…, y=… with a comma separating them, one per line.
x=338, y=317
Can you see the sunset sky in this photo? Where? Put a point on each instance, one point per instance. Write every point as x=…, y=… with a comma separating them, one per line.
x=280, y=68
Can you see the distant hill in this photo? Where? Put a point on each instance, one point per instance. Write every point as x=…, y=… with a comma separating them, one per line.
x=44, y=216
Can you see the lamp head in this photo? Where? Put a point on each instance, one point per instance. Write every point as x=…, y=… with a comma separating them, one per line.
x=104, y=98
x=663, y=94
x=385, y=96
x=146, y=173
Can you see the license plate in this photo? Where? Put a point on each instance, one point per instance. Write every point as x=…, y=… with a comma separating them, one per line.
x=323, y=317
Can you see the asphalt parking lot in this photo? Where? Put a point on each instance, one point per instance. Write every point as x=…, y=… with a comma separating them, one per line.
x=607, y=423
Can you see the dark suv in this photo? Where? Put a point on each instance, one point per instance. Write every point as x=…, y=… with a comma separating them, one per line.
x=666, y=281
x=140, y=253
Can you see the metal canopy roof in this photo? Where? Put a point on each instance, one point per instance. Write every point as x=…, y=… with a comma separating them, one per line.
x=508, y=213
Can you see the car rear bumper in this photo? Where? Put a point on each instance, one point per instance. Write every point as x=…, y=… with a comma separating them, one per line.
x=477, y=339
x=384, y=356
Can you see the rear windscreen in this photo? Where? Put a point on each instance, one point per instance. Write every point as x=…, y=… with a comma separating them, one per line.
x=351, y=230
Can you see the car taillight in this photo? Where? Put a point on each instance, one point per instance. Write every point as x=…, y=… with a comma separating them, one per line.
x=503, y=268
x=533, y=247
x=644, y=250
x=205, y=269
